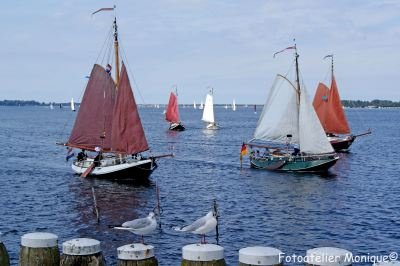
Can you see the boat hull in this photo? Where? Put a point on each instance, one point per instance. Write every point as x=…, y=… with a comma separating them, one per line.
x=176, y=127
x=295, y=163
x=341, y=144
x=212, y=126
x=128, y=170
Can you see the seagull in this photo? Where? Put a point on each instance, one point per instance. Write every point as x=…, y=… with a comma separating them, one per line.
x=201, y=226
x=141, y=226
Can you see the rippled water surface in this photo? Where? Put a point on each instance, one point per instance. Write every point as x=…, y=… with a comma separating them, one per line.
x=355, y=206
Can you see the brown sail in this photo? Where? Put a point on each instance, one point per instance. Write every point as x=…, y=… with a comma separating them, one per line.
x=92, y=126
x=128, y=134
x=329, y=109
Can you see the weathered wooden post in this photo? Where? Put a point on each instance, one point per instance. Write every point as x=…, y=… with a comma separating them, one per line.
x=4, y=257
x=203, y=254
x=265, y=256
x=136, y=255
x=328, y=256
x=39, y=249
x=83, y=252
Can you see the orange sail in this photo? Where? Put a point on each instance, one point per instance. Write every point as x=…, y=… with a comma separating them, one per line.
x=172, y=114
x=329, y=109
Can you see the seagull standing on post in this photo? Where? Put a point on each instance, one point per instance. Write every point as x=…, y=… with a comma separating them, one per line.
x=201, y=226
x=141, y=226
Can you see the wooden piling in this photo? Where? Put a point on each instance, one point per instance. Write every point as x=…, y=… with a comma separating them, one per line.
x=328, y=256
x=39, y=249
x=4, y=257
x=265, y=256
x=203, y=255
x=83, y=252
x=136, y=254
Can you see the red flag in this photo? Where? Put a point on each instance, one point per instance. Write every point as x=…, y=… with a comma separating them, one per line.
x=291, y=47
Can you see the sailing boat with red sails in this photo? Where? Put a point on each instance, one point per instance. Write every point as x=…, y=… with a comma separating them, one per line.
x=172, y=114
x=329, y=109
x=108, y=123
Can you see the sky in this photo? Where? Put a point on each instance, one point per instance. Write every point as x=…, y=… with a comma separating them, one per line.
x=48, y=47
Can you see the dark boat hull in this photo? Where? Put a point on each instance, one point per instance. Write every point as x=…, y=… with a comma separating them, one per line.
x=342, y=144
x=133, y=171
x=176, y=127
x=295, y=164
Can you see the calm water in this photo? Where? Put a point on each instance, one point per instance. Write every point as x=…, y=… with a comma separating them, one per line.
x=355, y=206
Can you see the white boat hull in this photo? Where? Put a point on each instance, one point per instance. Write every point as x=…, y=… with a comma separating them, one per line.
x=115, y=168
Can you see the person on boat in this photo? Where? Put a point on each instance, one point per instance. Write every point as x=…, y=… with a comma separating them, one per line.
x=81, y=155
x=296, y=150
x=98, y=158
x=108, y=69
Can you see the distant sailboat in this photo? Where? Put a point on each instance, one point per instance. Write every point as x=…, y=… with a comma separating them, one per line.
x=51, y=106
x=208, y=113
x=255, y=109
x=194, y=105
x=330, y=112
x=201, y=105
x=172, y=114
x=226, y=106
x=294, y=138
x=72, y=105
x=234, y=105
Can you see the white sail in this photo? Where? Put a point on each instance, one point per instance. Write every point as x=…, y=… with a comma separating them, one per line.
x=201, y=105
x=208, y=113
x=312, y=136
x=279, y=116
x=194, y=105
x=72, y=104
x=51, y=106
x=234, y=105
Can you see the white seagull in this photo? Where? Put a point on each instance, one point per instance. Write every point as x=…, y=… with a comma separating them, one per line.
x=141, y=226
x=201, y=226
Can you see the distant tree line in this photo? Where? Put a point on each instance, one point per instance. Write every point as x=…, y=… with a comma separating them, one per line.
x=20, y=103
x=373, y=103
x=345, y=103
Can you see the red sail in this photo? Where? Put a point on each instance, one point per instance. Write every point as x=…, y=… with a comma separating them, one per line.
x=329, y=109
x=93, y=123
x=128, y=134
x=320, y=102
x=337, y=122
x=172, y=114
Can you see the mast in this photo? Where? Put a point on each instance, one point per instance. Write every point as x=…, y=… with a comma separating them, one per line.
x=297, y=71
x=332, y=69
x=116, y=52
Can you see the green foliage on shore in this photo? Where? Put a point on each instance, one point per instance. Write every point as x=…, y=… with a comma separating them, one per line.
x=345, y=103
x=369, y=104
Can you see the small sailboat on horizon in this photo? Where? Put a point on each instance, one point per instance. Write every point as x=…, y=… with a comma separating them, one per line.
x=201, y=107
x=329, y=109
x=234, y=105
x=194, y=105
x=72, y=105
x=172, y=113
x=208, y=113
x=289, y=136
